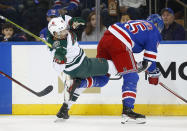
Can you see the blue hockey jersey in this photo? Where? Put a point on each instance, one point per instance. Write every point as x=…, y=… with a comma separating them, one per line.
x=138, y=36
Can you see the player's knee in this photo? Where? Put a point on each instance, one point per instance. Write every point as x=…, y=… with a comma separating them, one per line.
x=83, y=83
x=100, y=81
x=131, y=78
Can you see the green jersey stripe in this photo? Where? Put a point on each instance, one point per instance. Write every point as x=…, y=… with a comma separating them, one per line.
x=80, y=54
x=77, y=63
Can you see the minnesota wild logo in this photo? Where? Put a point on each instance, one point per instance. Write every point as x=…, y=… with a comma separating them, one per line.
x=56, y=44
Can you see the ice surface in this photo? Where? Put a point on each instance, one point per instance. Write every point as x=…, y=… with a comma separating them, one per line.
x=89, y=123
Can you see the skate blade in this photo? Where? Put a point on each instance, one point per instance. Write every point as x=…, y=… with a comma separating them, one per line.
x=128, y=120
x=140, y=120
x=59, y=120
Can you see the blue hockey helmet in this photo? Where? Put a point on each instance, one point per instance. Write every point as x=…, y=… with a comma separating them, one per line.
x=157, y=20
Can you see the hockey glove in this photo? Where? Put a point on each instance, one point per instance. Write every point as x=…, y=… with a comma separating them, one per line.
x=154, y=76
x=76, y=23
x=59, y=56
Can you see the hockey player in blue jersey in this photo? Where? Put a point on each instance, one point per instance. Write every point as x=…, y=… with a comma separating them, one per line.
x=118, y=44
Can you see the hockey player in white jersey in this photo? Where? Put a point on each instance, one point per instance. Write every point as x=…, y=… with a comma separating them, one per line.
x=71, y=59
x=69, y=55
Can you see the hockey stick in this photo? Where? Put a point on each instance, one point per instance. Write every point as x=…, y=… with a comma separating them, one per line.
x=171, y=91
x=26, y=31
x=116, y=78
x=39, y=94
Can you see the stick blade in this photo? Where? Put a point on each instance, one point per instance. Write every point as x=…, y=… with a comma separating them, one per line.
x=46, y=91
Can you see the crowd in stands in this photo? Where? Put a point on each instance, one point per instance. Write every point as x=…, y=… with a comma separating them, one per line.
x=34, y=16
x=172, y=30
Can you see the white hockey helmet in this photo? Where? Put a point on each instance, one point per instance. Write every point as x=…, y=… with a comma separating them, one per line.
x=57, y=25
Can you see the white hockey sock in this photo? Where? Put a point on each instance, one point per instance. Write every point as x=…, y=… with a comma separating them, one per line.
x=77, y=93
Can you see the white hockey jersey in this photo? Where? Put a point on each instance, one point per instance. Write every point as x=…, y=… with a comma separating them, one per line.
x=74, y=55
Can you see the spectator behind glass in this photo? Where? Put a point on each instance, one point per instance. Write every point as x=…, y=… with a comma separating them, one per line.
x=50, y=14
x=135, y=8
x=9, y=35
x=172, y=30
x=89, y=33
x=8, y=9
x=34, y=17
x=69, y=7
x=106, y=7
x=89, y=5
x=124, y=18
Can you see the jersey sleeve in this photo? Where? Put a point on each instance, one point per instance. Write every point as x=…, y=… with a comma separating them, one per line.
x=150, y=52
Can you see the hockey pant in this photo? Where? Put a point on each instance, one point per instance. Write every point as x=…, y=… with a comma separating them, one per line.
x=130, y=81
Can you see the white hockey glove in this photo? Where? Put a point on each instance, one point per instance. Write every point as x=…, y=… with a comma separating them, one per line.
x=154, y=76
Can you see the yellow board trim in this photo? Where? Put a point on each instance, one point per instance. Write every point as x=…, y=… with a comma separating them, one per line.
x=99, y=109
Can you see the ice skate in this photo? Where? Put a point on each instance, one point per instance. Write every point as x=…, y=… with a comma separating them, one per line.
x=129, y=116
x=63, y=113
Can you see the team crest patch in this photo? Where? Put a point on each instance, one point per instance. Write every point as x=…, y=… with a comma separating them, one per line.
x=56, y=44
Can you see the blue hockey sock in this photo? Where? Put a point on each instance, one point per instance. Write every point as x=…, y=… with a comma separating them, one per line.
x=130, y=81
x=95, y=81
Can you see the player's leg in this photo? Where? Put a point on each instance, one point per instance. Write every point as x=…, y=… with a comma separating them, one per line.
x=63, y=112
x=125, y=64
x=71, y=93
x=128, y=99
x=90, y=67
x=96, y=81
x=127, y=67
